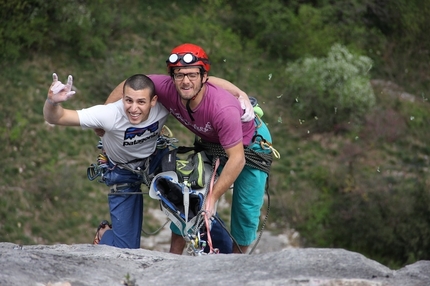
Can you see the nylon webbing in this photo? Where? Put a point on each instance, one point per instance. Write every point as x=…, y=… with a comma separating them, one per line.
x=140, y=171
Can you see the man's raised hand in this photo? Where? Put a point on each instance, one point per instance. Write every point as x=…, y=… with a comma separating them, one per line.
x=59, y=92
x=248, y=110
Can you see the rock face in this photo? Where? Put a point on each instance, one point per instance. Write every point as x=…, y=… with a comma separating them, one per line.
x=84, y=264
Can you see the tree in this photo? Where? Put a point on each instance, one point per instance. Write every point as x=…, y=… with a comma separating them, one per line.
x=330, y=90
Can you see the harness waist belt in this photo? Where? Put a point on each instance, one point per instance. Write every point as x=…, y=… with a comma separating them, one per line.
x=120, y=187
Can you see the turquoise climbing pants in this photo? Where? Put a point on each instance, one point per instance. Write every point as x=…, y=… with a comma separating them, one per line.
x=248, y=194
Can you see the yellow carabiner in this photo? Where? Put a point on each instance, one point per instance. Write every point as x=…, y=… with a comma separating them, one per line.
x=165, y=131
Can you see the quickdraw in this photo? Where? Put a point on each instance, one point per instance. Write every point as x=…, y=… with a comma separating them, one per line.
x=96, y=170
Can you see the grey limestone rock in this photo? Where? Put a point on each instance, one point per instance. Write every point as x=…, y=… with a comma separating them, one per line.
x=85, y=264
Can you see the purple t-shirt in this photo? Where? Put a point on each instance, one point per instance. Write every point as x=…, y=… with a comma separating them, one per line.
x=216, y=118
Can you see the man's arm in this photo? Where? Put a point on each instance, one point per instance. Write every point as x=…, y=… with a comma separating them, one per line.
x=229, y=174
x=56, y=114
x=53, y=112
x=230, y=87
x=116, y=94
x=238, y=93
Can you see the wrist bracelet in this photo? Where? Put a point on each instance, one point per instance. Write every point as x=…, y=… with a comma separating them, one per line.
x=51, y=102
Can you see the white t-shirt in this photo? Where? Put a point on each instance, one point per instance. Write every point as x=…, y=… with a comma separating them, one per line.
x=123, y=141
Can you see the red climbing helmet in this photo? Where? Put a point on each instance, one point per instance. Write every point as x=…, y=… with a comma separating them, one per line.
x=187, y=55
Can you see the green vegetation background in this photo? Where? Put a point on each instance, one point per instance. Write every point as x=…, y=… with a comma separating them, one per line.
x=357, y=181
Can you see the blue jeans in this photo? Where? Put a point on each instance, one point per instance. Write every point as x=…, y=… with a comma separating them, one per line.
x=220, y=238
x=126, y=210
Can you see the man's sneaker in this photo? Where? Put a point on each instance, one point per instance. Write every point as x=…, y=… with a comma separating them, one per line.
x=102, y=225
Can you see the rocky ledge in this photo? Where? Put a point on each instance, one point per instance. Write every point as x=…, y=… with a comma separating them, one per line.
x=84, y=264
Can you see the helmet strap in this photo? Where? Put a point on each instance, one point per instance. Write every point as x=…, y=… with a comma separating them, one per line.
x=189, y=108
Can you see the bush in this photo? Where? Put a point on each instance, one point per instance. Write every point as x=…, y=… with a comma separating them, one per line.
x=331, y=90
x=81, y=28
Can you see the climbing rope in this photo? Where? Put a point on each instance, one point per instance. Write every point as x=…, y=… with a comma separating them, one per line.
x=257, y=160
x=208, y=199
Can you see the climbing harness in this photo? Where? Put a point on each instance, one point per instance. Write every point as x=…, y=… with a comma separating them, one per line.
x=103, y=165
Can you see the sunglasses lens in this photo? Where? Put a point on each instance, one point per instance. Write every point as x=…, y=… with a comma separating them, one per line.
x=173, y=58
x=188, y=58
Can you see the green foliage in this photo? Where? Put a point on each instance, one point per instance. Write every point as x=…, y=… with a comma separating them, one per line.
x=315, y=35
x=22, y=28
x=405, y=28
x=330, y=90
x=128, y=281
x=385, y=218
x=296, y=29
x=47, y=25
x=18, y=128
x=389, y=217
x=411, y=23
x=417, y=116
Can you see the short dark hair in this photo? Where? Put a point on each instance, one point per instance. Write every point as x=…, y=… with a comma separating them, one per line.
x=139, y=82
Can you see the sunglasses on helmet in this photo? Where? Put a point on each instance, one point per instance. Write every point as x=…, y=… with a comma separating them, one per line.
x=187, y=58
